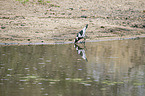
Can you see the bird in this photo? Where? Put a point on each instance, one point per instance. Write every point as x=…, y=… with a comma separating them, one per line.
x=81, y=34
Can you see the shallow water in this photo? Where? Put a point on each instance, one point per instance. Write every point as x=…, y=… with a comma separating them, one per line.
x=107, y=68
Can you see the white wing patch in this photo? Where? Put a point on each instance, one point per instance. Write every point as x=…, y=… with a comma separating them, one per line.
x=84, y=31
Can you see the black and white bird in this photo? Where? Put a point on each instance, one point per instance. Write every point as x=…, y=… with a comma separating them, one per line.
x=81, y=34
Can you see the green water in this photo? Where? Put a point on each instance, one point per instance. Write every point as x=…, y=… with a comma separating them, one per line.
x=107, y=68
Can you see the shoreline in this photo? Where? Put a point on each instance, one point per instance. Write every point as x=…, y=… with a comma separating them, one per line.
x=87, y=41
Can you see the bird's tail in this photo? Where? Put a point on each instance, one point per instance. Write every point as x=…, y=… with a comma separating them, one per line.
x=86, y=26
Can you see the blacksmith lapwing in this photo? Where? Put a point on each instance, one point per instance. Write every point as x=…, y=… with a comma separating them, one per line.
x=81, y=34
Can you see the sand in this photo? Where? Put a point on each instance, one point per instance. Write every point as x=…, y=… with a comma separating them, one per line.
x=23, y=21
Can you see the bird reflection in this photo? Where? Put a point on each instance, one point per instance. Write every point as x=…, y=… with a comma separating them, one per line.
x=81, y=51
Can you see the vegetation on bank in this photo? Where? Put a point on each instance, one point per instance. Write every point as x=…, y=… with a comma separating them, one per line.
x=34, y=1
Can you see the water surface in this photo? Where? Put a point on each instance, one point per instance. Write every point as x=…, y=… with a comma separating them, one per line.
x=107, y=68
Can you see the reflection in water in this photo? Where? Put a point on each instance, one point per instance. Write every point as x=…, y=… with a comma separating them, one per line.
x=81, y=51
x=114, y=68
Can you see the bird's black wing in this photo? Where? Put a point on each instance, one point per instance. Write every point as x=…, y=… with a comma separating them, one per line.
x=81, y=32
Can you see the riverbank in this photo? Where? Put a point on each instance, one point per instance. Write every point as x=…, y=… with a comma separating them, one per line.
x=59, y=21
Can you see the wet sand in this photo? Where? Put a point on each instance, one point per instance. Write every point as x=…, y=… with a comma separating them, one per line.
x=60, y=20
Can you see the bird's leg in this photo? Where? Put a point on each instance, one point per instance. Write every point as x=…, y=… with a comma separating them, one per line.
x=84, y=39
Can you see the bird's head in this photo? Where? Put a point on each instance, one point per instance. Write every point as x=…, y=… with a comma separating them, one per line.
x=76, y=40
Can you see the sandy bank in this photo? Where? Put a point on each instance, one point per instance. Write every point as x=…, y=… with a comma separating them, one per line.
x=60, y=20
